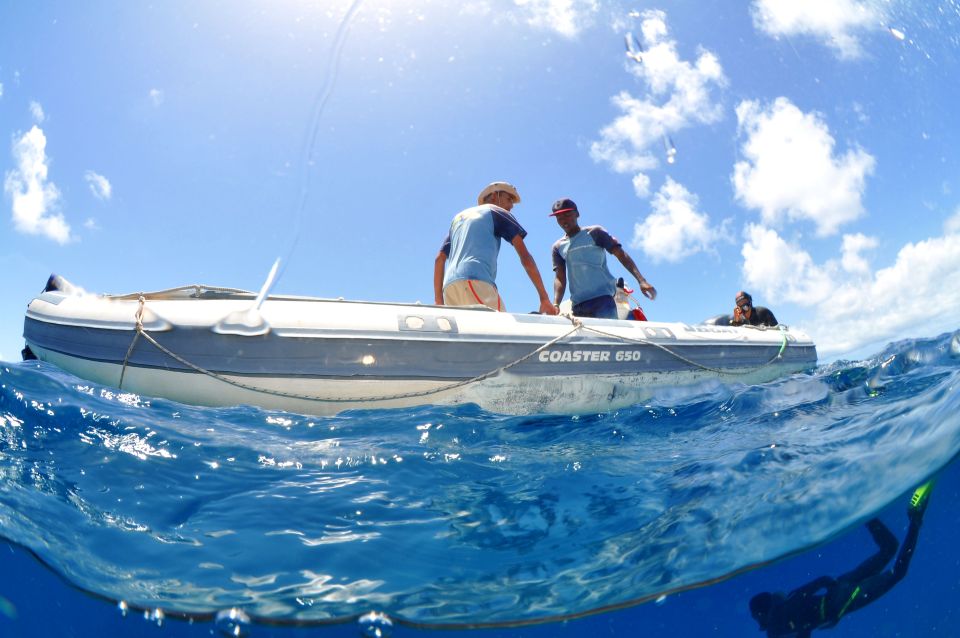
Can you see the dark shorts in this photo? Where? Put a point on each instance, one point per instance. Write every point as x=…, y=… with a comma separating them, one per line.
x=600, y=307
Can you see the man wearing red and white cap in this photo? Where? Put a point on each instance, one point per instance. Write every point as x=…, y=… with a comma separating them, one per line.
x=465, y=270
x=580, y=256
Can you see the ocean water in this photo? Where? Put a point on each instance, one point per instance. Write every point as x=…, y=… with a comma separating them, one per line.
x=127, y=515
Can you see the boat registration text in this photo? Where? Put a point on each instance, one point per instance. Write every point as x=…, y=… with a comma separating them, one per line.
x=587, y=356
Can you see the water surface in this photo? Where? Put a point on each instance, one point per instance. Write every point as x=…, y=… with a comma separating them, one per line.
x=455, y=517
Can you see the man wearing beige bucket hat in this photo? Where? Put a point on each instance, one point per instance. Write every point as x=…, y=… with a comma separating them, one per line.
x=465, y=270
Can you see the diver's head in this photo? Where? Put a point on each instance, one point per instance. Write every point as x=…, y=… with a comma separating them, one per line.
x=763, y=605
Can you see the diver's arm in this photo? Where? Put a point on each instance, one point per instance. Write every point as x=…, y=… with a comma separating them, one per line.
x=824, y=582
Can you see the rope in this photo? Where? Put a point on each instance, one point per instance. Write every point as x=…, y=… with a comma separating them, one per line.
x=136, y=337
x=577, y=325
x=680, y=357
x=292, y=395
x=783, y=346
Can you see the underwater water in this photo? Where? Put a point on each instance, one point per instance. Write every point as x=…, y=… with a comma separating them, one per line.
x=154, y=518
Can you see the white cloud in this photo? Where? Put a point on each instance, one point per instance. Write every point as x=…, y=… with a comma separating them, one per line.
x=851, y=260
x=835, y=22
x=858, y=308
x=782, y=271
x=912, y=297
x=1, y=89
x=156, y=97
x=36, y=112
x=790, y=168
x=641, y=185
x=678, y=96
x=565, y=17
x=676, y=229
x=99, y=185
x=91, y=224
x=952, y=225
x=34, y=198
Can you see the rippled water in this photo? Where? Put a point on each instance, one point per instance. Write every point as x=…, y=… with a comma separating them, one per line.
x=445, y=517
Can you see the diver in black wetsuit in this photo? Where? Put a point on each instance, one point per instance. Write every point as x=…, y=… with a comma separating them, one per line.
x=821, y=603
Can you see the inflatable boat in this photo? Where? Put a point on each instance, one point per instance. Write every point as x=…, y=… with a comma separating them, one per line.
x=211, y=346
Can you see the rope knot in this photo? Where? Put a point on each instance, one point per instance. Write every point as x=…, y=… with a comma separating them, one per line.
x=574, y=320
x=139, y=315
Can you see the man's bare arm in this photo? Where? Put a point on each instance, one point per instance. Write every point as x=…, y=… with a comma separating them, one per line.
x=526, y=259
x=648, y=291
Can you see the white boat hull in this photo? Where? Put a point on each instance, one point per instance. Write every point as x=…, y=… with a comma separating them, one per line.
x=322, y=357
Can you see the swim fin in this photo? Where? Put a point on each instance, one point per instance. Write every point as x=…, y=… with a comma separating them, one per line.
x=920, y=497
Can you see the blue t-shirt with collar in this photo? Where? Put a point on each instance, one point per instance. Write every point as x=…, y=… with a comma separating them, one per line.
x=473, y=243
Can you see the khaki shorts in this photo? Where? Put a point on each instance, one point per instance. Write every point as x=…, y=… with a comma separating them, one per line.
x=470, y=292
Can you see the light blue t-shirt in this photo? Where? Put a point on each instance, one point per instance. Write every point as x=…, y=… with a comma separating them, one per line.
x=585, y=258
x=473, y=244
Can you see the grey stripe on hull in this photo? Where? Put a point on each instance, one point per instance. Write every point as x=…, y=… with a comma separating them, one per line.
x=398, y=356
x=505, y=393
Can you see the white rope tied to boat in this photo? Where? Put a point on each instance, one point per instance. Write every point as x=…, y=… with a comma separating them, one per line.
x=646, y=342
x=136, y=337
x=577, y=325
x=293, y=395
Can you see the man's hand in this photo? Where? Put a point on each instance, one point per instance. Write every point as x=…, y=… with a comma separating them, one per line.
x=648, y=291
x=547, y=307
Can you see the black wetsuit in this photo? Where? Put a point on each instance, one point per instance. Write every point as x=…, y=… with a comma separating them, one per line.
x=759, y=317
x=804, y=609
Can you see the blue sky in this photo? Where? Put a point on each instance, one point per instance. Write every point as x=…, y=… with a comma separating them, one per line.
x=813, y=147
